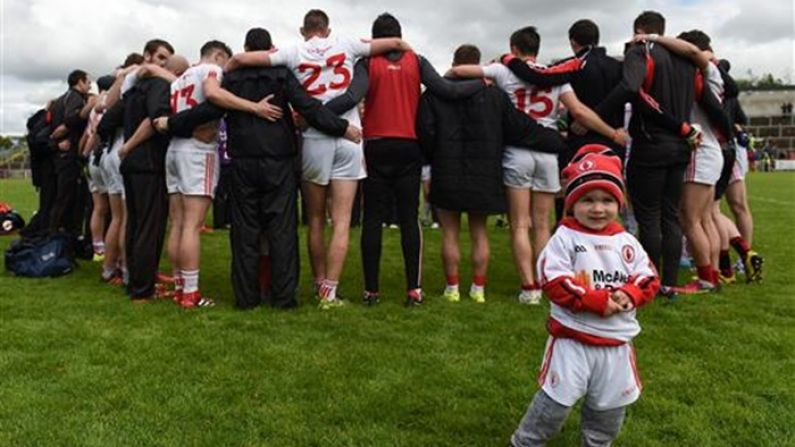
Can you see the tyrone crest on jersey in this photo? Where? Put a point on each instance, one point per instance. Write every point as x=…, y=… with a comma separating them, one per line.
x=586, y=165
x=628, y=253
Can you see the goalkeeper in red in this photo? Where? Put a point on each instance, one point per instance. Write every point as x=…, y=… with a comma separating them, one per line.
x=595, y=275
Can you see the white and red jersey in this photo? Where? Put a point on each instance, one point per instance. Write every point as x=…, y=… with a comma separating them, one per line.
x=713, y=79
x=579, y=269
x=325, y=69
x=188, y=90
x=542, y=104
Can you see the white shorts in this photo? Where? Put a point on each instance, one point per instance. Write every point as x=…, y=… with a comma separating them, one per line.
x=538, y=171
x=426, y=173
x=110, y=168
x=96, y=180
x=705, y=165
x=192, y=167
x=740, y=165
x=606, y=375
x=326, y=159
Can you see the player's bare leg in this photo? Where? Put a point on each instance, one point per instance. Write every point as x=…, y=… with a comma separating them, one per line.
x=542, y=205
x=194, y=213
x=737, y=198
x=711, y=230
x=695, y=198
x=99, y=216
x=479, y=254
x=113, y=252
x=519, y=206
x=175, y=214
x=450, y=222
x=342, y=193
x=315, y=198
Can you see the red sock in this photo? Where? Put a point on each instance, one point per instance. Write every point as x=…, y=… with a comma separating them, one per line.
x=705, y=272
x=264, y=272
x=452, y=280
x=479, y=280
x=740, y=245
x=527, y=287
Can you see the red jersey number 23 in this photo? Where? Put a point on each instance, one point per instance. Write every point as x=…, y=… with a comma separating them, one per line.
x=341, y=80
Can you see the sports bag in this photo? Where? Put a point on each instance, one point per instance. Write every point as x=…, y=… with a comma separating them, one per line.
x=41, y=257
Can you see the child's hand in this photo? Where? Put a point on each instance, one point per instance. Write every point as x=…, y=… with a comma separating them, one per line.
x=612, y=308
x=623, y=300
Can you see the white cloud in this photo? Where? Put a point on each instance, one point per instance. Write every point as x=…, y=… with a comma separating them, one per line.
x=42, y=40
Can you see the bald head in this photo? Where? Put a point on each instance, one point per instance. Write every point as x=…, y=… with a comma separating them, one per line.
x=177, y=64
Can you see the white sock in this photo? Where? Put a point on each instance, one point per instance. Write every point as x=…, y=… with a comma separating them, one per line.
x=125, y=275
x=451, y=288
x=190, y=281
x=474, y=288
x=107, y=272
x=328, y=290
x=99, y=247
x=179, y=282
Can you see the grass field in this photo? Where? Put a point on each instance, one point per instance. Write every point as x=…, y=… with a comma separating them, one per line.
x=80, y=365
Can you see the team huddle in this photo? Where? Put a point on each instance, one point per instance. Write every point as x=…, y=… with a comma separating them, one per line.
x=333, y=114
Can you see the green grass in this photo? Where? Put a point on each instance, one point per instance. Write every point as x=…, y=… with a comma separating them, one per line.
x=80, y=365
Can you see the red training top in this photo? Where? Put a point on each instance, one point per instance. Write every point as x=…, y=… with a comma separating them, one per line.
x=392, y=97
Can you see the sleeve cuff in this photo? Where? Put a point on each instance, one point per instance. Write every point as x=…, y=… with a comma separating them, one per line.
x=596, y=301
x=634, y=293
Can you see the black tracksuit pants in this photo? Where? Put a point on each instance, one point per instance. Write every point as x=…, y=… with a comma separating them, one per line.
x=221, y=202
x=394, y=168
x=48, y=188
x=656, y=192
x=264, y=201
x=147, y=214
x=66, y=168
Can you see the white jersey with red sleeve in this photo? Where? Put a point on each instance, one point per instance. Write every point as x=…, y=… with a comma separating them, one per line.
x=187, y=91
x=579, y=268
x=542, y=104
x=324, y=66
x=713, y=81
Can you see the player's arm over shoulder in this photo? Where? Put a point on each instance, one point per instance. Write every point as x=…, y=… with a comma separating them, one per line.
x=380, y=46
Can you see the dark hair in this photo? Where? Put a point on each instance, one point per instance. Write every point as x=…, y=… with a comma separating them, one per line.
x=526, y=40
x=105, y=82
x=316, y=20
x=466, y=54
x=214, y=45
x=649, y=22
x=386, y=25
x=133, y=59
x=725, y=65
x=152, y=46
x=258, y=39
x=697, y=38
x=584, y=32
x=75, y=77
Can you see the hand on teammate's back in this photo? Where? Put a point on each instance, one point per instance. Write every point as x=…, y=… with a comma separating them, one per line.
x=353, y=133
x=268, y=111
x=161, y=124
x=577, y=129
x=621, y=137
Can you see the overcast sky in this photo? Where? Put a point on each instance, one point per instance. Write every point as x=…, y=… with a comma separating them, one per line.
x=42, y=40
